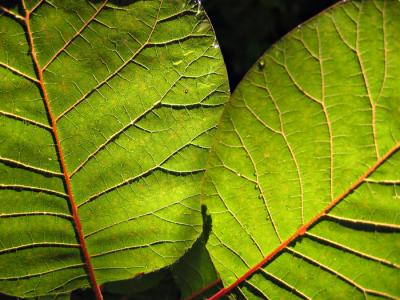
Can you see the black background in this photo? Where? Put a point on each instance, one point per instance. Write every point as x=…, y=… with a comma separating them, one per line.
x=246, y=28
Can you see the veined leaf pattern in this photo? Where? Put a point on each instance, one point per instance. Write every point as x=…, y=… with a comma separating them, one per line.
x=303, y=183
x=195, y=274
x=107, y=112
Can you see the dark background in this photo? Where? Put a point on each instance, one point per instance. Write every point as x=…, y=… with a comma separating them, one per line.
x=245, y=29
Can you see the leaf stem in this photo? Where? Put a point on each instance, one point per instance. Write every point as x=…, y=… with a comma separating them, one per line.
x=73, y=206
x=303, y=229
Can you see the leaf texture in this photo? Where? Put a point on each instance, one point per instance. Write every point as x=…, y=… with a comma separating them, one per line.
x=303, y=183
x=195, y=274
x=107, y=112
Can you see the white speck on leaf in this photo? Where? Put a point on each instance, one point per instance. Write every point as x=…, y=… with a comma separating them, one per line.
x=215, y=44
x=198, y=7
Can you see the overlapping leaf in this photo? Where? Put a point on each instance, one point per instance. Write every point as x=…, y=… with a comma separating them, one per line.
x=195, y=273
x=107, y=112
x=305, y=171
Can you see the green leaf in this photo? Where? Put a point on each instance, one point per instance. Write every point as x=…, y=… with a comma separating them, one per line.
x=106, y=115
x=54, y=297
x=146, y=287
x=195, y=272
x=138, y=284
x=303, y=183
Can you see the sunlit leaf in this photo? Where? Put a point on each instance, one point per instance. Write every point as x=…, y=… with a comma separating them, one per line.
x=107, y=109
x=195, y=273
x=305, y=173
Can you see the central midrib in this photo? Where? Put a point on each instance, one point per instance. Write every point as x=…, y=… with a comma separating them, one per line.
x=304, y=228
x=73, y=206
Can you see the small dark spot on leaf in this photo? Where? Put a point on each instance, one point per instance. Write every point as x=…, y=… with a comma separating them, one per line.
x=186, y=91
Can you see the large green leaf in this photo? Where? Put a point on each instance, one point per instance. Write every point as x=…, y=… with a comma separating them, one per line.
x=195, y=274
x=146, y=287
x=303, y=183
x=107, y=113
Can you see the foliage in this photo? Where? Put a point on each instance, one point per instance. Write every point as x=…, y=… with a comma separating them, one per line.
x=309, y=145
x=115, y=176
x=107, y=126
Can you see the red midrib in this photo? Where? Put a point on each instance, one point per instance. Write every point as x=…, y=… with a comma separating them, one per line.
x=74, y=209
x=303, y=229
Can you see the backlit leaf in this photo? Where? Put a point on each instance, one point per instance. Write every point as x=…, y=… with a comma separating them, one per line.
x=107, y=109
x=303, y=184
x=195, y=273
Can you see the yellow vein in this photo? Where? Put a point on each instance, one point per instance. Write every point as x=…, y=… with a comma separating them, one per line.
x=36, y=6
x=385, y=51
x=38, y=245
x=322, y=214
x=364, y=222
x=136, y=53
x=23, y=119
x=121, y=130
x=258, y=182
x=284, y=135
x=256, y=289
x=390, y=182
x=340, y=275
x=193, y=226
x=229, y=248
x=284, y=283
x=148, y=245
x=175, y=15
x=78, y=33
x=367, y=86
x=305, y=46
x=257, y=117
x=81, y=265
x=351, y=250
x=131, y=219
x=19, y=187
x=11, y=13
x=238, y=221
x=35, y=213
x=141, y=175
x=180, y=39
x=65, y=283
x=22, y=165
x=18, y=72
x=235, y=172
x=325, y=109
x=341, y=34
x=242, y=295
x=296, y=84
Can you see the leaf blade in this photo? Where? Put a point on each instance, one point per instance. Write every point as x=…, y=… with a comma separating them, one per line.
x=105, y=81
x=303, y=130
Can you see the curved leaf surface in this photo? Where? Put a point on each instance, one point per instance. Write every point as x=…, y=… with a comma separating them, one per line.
x=303, y=184
x=195, y=274
x=107, y=112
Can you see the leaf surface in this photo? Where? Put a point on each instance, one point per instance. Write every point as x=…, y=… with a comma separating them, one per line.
x=303, y=183
x=195, y=273
x=106, y=115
